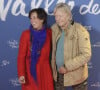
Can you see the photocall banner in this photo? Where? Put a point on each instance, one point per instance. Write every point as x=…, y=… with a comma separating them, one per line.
x=14, y=20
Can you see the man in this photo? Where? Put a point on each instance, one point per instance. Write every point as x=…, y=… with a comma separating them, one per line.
x=71, y=50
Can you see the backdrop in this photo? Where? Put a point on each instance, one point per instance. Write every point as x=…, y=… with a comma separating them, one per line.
x=14, y=20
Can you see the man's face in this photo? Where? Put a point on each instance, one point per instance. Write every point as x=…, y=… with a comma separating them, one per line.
x=61, y=17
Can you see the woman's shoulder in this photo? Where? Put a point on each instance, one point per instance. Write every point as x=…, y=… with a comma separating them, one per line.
x=26, y=33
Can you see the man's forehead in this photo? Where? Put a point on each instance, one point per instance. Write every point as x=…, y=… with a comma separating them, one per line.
x=60, y=12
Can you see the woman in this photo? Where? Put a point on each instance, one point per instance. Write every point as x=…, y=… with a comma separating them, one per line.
x=34, y=71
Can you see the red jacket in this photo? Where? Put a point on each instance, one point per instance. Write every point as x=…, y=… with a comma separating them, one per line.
x=44, y=73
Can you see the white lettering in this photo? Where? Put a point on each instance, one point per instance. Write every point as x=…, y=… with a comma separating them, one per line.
x=21, y=4
x=95, y=9
x=59, y=1
x=90, y=8
x=18, y=7
x=47, y=5
x=4, y=11
x=71, y=4
x=34, y=4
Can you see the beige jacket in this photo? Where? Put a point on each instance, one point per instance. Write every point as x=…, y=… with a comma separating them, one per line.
x=77, y=52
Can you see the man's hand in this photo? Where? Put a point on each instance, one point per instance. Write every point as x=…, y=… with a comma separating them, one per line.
x=62, y=70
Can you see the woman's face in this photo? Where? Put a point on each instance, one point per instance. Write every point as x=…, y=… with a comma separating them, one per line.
x=35, y=21
x=61, y=18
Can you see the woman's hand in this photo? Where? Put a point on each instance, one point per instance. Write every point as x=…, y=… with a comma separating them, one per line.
x=22, y=79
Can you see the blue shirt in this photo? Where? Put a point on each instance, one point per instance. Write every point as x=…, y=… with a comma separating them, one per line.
x=60, y=51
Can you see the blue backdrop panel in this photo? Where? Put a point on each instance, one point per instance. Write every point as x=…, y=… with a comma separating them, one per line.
x=14, y=20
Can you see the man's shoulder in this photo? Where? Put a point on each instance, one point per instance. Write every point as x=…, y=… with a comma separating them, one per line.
x=54, y=26
x=81, y=29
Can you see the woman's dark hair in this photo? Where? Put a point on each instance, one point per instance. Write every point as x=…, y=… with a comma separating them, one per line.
x=41, y=14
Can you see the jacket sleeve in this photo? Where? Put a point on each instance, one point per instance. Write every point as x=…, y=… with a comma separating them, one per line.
x=84, y=47
x=21, y=55
x=53, y=59
x=53, y=42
